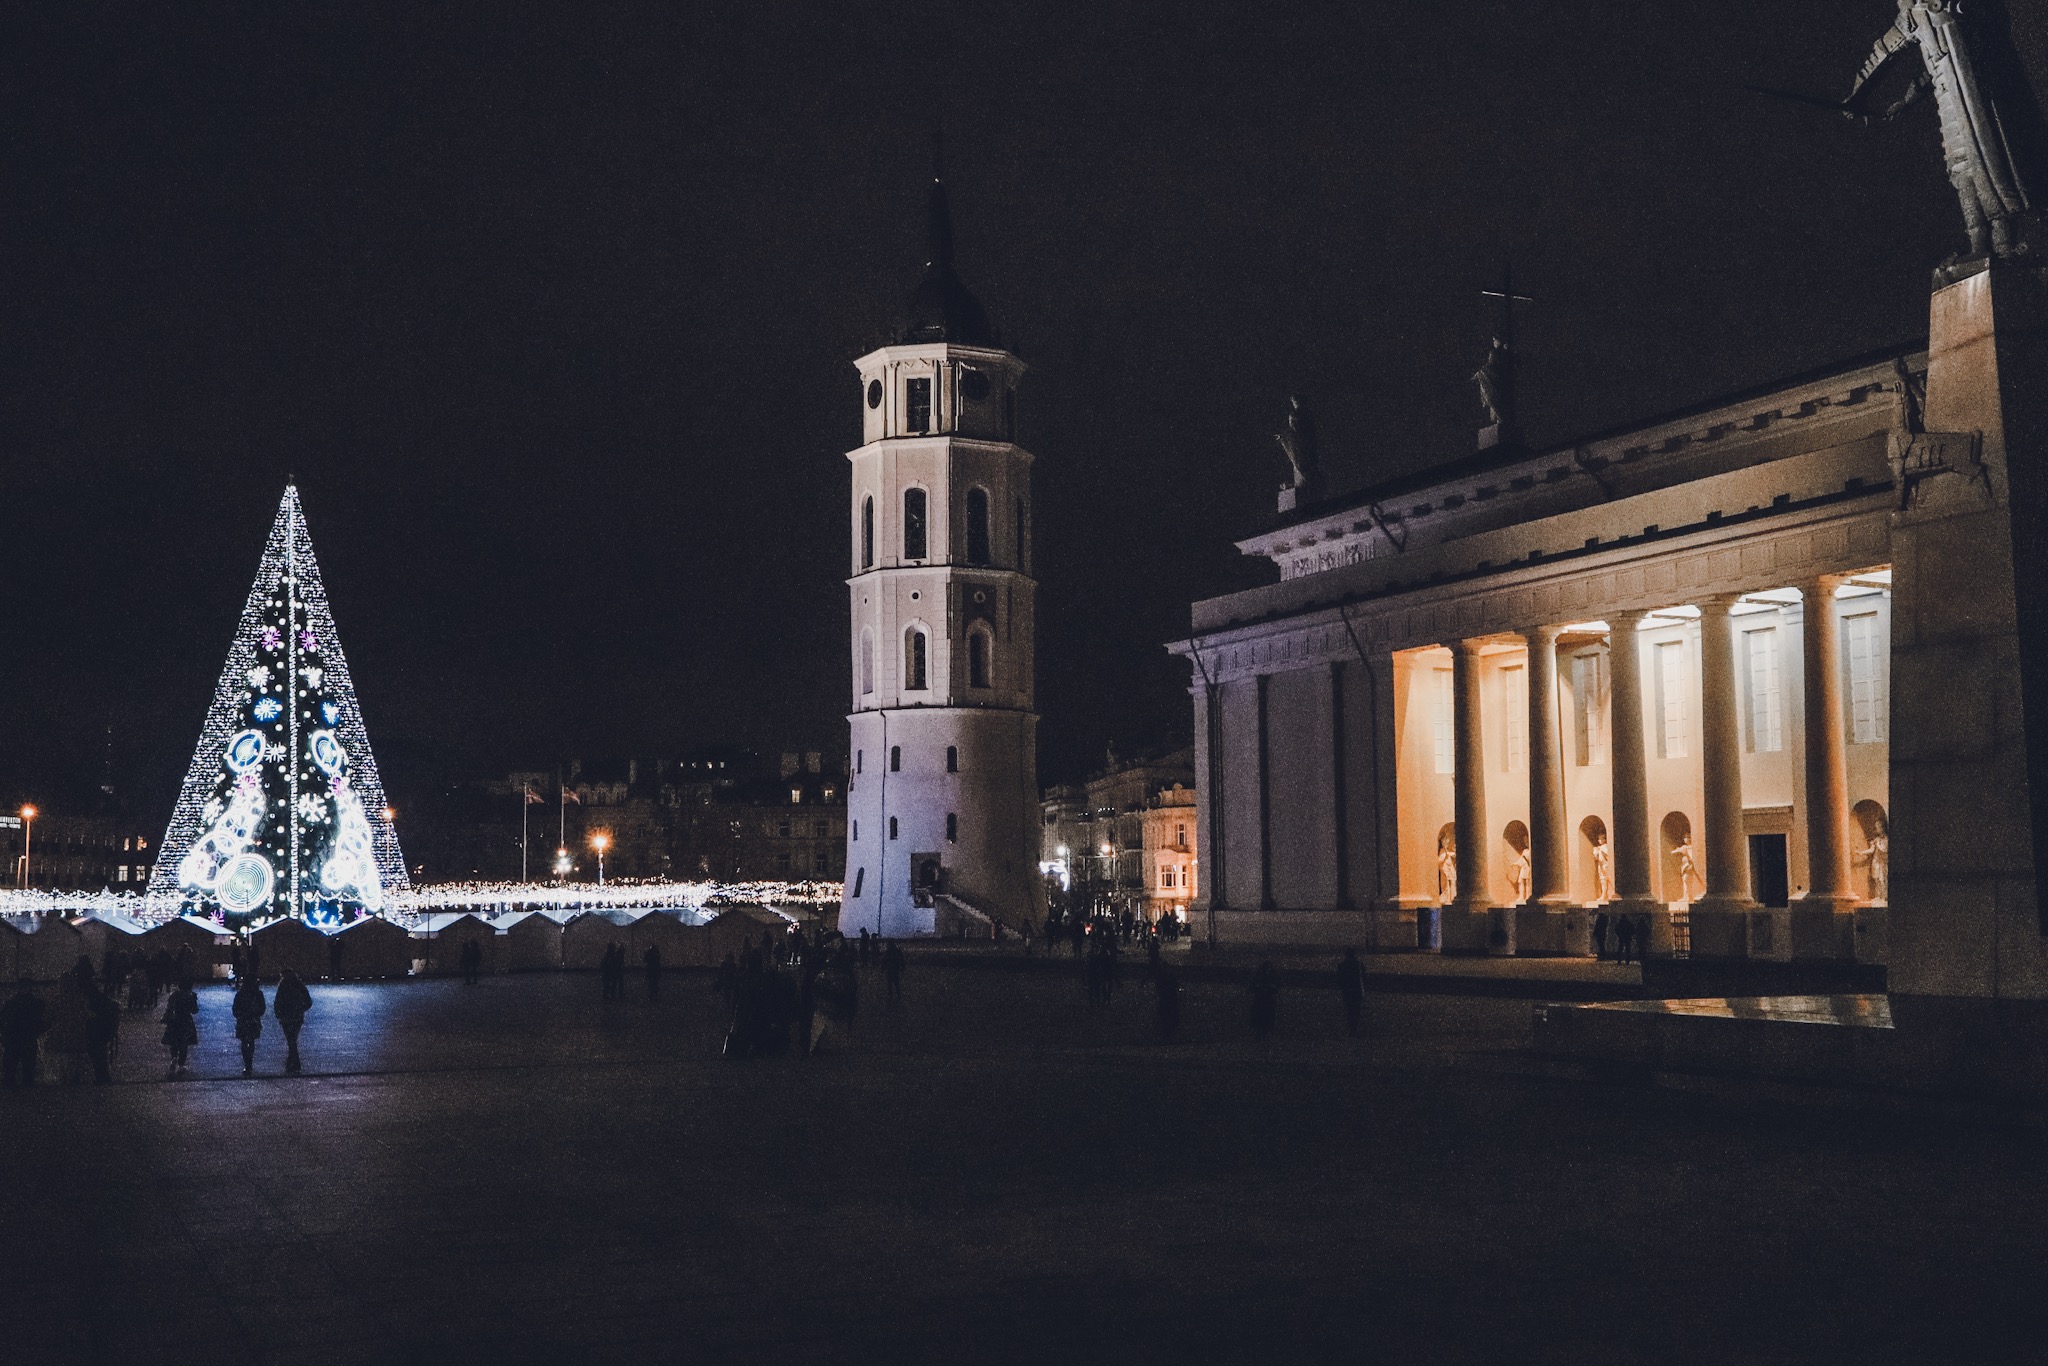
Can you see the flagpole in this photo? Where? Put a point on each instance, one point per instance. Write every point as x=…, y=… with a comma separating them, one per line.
x=523, y=804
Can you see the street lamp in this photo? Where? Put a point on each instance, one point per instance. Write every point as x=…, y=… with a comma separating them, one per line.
x=28, y=830
x=600, y=842
x=562, y=862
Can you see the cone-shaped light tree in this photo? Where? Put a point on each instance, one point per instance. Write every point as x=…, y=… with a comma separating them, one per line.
x=282, y=812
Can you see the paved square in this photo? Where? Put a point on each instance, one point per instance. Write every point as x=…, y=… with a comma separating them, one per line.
x=995, y=1171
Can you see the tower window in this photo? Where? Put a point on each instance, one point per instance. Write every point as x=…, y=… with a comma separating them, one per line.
x=977, y=659
x=867, y=532
x=856, y=832
x=895, y=758
x=913, y=659
x=860, y=877
x=952, y=827
x=867, y=662
x=874, y=393
x=977, y=526
x=952, y=758
x=857, y=757
x=917, y=405
x=914, y=539
x=973, y=384
x=892, y=827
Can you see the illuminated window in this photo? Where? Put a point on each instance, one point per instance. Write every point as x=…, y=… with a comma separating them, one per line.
x=867, y=532
x=952, y=758
x=977, y=526
x=1446, y=755
x=1514, y=701
x=917, y=405
x=913, y=659
x=914, y=539
x=1589, y=707
x=1765, y=698
x=1671, y=682
x=952, y=828
x=1867, y=721
x=977, y=659
x=867, y=662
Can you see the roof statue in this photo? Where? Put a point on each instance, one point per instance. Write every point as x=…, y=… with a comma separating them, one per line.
x=1990, y=127
x=1298, y=442
x=1496, y=381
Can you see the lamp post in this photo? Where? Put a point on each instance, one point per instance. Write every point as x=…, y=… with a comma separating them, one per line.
x=600, y=842
x=28, y=830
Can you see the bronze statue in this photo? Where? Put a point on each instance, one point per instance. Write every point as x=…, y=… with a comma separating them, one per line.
x=1298, y=443
x=1990, y=134
x=1496, y=381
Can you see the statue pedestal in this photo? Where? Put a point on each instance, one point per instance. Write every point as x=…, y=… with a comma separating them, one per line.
x=1963, y=919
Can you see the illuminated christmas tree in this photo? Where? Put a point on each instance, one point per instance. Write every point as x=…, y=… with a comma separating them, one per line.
x=282, y=812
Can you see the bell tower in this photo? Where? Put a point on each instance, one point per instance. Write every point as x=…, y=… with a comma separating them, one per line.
x=942, y=809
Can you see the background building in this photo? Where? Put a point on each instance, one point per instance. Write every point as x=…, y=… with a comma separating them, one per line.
x=1126, y=838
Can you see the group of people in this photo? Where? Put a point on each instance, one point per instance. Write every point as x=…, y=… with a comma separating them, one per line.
x=800, y=990
x=1631, y=935
x=78, y=1029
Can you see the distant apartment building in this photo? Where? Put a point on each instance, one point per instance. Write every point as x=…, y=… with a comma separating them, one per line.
x=1126, y=838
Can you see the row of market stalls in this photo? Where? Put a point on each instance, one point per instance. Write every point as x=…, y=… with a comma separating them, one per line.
x=43, y=947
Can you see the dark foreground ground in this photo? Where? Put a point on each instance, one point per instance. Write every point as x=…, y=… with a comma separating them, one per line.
x=519, y=1172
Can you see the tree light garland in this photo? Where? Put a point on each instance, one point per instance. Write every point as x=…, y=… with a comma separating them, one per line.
x=282, y=812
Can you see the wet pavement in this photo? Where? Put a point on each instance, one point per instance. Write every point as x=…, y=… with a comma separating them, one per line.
x=993, y=1171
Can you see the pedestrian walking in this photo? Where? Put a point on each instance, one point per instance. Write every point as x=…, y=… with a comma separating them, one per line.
x=1351, y=986
x=71, y=1012
x=290, y=1005
x=472, y=962
x=1600, y=936
x=650, y=962
x=102, y=1033
x=181, y=1024
x=1265, y=994
x=249, y=1007
x=1166, y=1003
x=1624, y=937
x=23, y=1022
x=140, y=998
x=892, y=972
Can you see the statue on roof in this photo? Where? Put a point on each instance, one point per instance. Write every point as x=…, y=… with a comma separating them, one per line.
x=1990, y=127
x=1496, y=381
x=1298, y=443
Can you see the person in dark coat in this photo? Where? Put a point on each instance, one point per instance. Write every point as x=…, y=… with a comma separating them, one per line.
x=181, y=1024
x=1351, y=986
x=249, y=1007
x=472, y=962
x=892, y=972
x=290, y=1006
x=1600, y=935
x=1166, y=983
x=1624, y=937
x=1265, y=993
x=650, y=963
x=102, y=1033
x=22, y=1023
x=727, y=979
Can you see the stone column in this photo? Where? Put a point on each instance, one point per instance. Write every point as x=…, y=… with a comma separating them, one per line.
x=1633, y=859
x=1727, y=844
x=1468, y=748
x=1827, y=769
x=1549, y=850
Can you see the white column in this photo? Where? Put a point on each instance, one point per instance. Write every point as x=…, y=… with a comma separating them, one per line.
x=1827, y=769
x=1629, y=752
x=1549, y=850
x=1727, y=844
x=1469, y=758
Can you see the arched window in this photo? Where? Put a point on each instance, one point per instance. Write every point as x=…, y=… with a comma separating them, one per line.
x=952, y=828
x=867, y=662
x=977, y=526
x=858, y=756
x=892, y=827
x=895, y=758
x=977, y=659
x=915, y=542
x=952, y=758
x=856, y=832
x=913, y=659
x=867, y=532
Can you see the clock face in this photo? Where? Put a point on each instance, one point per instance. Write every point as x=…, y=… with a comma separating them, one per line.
x=974, y=384
x=874, y=393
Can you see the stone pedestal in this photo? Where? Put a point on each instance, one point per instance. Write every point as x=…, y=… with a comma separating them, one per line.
x=1963, y=919
x=1488, y=930
x=1819, y=934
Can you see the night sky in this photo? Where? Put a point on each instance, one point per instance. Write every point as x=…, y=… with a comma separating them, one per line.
x=551, y=311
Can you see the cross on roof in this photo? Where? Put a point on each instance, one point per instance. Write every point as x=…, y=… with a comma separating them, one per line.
x=1508, y=299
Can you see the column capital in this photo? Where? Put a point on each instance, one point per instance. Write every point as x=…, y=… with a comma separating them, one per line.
x=1542, y=635
x=1625, y=617
x=1720, y=604
x=1818, y=585
x=1471, y=646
